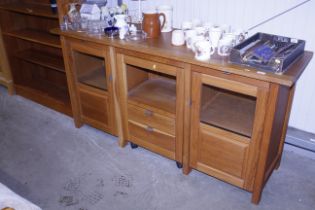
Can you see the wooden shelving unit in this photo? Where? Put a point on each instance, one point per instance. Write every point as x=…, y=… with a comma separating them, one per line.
x=39, y=37
x=29, y=9
x=42, y=58
x=34, y=53
x=5, y=72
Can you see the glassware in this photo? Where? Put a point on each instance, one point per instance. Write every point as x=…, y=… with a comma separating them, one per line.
x=74, y=17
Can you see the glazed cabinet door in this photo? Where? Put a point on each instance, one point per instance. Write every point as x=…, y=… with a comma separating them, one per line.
x=89, y=72
x=225, y=125
x=151, y=94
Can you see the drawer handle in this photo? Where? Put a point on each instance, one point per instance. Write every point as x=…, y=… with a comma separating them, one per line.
x=227, y=73
x=149, y=129
x=148, y=113
x=154, y=66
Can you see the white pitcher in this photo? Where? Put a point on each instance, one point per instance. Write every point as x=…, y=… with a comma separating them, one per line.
x=168, y=11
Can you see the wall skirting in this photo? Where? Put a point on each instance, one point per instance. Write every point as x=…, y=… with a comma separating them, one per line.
x=300, y=142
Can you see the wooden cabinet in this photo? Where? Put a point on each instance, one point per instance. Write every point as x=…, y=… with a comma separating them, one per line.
x=151, y=94
x=34, y=54
x=5, y=72
x=225, y=125
x=90, y=81
x=238, y=126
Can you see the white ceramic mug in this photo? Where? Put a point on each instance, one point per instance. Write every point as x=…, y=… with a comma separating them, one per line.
x=207, y=25
x=231, y=36
x=196, y=23
x=178, y=37
x=225, y=28
x=200, y=30
x=224, y=47
x=191, y=41
x=190, y=33
x=240, y=35
x=187, y=25
x=215, y=35
x=203, y=50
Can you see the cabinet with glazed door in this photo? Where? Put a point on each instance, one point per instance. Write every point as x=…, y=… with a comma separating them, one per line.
x=89, y=77
x=228, y=120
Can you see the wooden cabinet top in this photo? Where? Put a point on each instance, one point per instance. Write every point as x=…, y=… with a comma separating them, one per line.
x=162, y=47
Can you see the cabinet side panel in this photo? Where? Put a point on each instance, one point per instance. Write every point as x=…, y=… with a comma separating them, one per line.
x=277, y=128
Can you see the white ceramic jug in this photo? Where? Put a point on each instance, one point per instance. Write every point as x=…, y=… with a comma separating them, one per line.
x=168, y=11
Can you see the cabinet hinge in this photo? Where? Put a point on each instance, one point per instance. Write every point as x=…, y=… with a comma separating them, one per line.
x=190, y=103
x=110, y=78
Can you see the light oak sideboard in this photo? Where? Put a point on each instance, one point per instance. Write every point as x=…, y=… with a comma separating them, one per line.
x=227, y=121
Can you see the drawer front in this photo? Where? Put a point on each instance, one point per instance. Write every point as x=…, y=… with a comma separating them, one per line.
x=151, y=136
x=152, y=119
x=94, y=107
x=222, y=152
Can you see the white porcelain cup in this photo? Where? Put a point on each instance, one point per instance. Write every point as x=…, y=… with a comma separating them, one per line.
x=187, y=25
x=196, y=23
x=178, y=37
x=190, y=33
x=224, y=47
x=215, y=35
x=240, y=35
x=207, y=25
x=225, y=28
x=231, y=36
x=203, y=50
x=200, y=30
x=195, y=39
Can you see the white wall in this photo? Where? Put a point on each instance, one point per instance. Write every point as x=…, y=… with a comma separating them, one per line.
x=247, y=13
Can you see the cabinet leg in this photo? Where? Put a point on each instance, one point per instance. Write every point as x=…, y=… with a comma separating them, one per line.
x=179, y=165
x=77, y=124
x=186, y=169
x=11, y=90
x=256, y=196
x=278, y=164
x=133, y=145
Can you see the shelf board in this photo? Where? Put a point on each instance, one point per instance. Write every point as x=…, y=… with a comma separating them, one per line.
x=42, y=58
x=230, y=112
x=156, y=92
x=95, y=78
x=40, y=37
x=47, y=94
x=29, y=9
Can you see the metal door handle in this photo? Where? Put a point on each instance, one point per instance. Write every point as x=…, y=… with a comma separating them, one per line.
x=150, y=129
x=148, y=113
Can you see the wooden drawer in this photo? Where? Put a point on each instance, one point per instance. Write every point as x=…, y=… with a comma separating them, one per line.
x=224, y=153
x=151, y=118
x=94, y=108
x=152, y=139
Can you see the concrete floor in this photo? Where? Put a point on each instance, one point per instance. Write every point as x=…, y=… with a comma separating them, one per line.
x=45, y=159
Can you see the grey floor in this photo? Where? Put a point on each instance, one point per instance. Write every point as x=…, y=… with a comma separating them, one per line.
x=46, y=159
